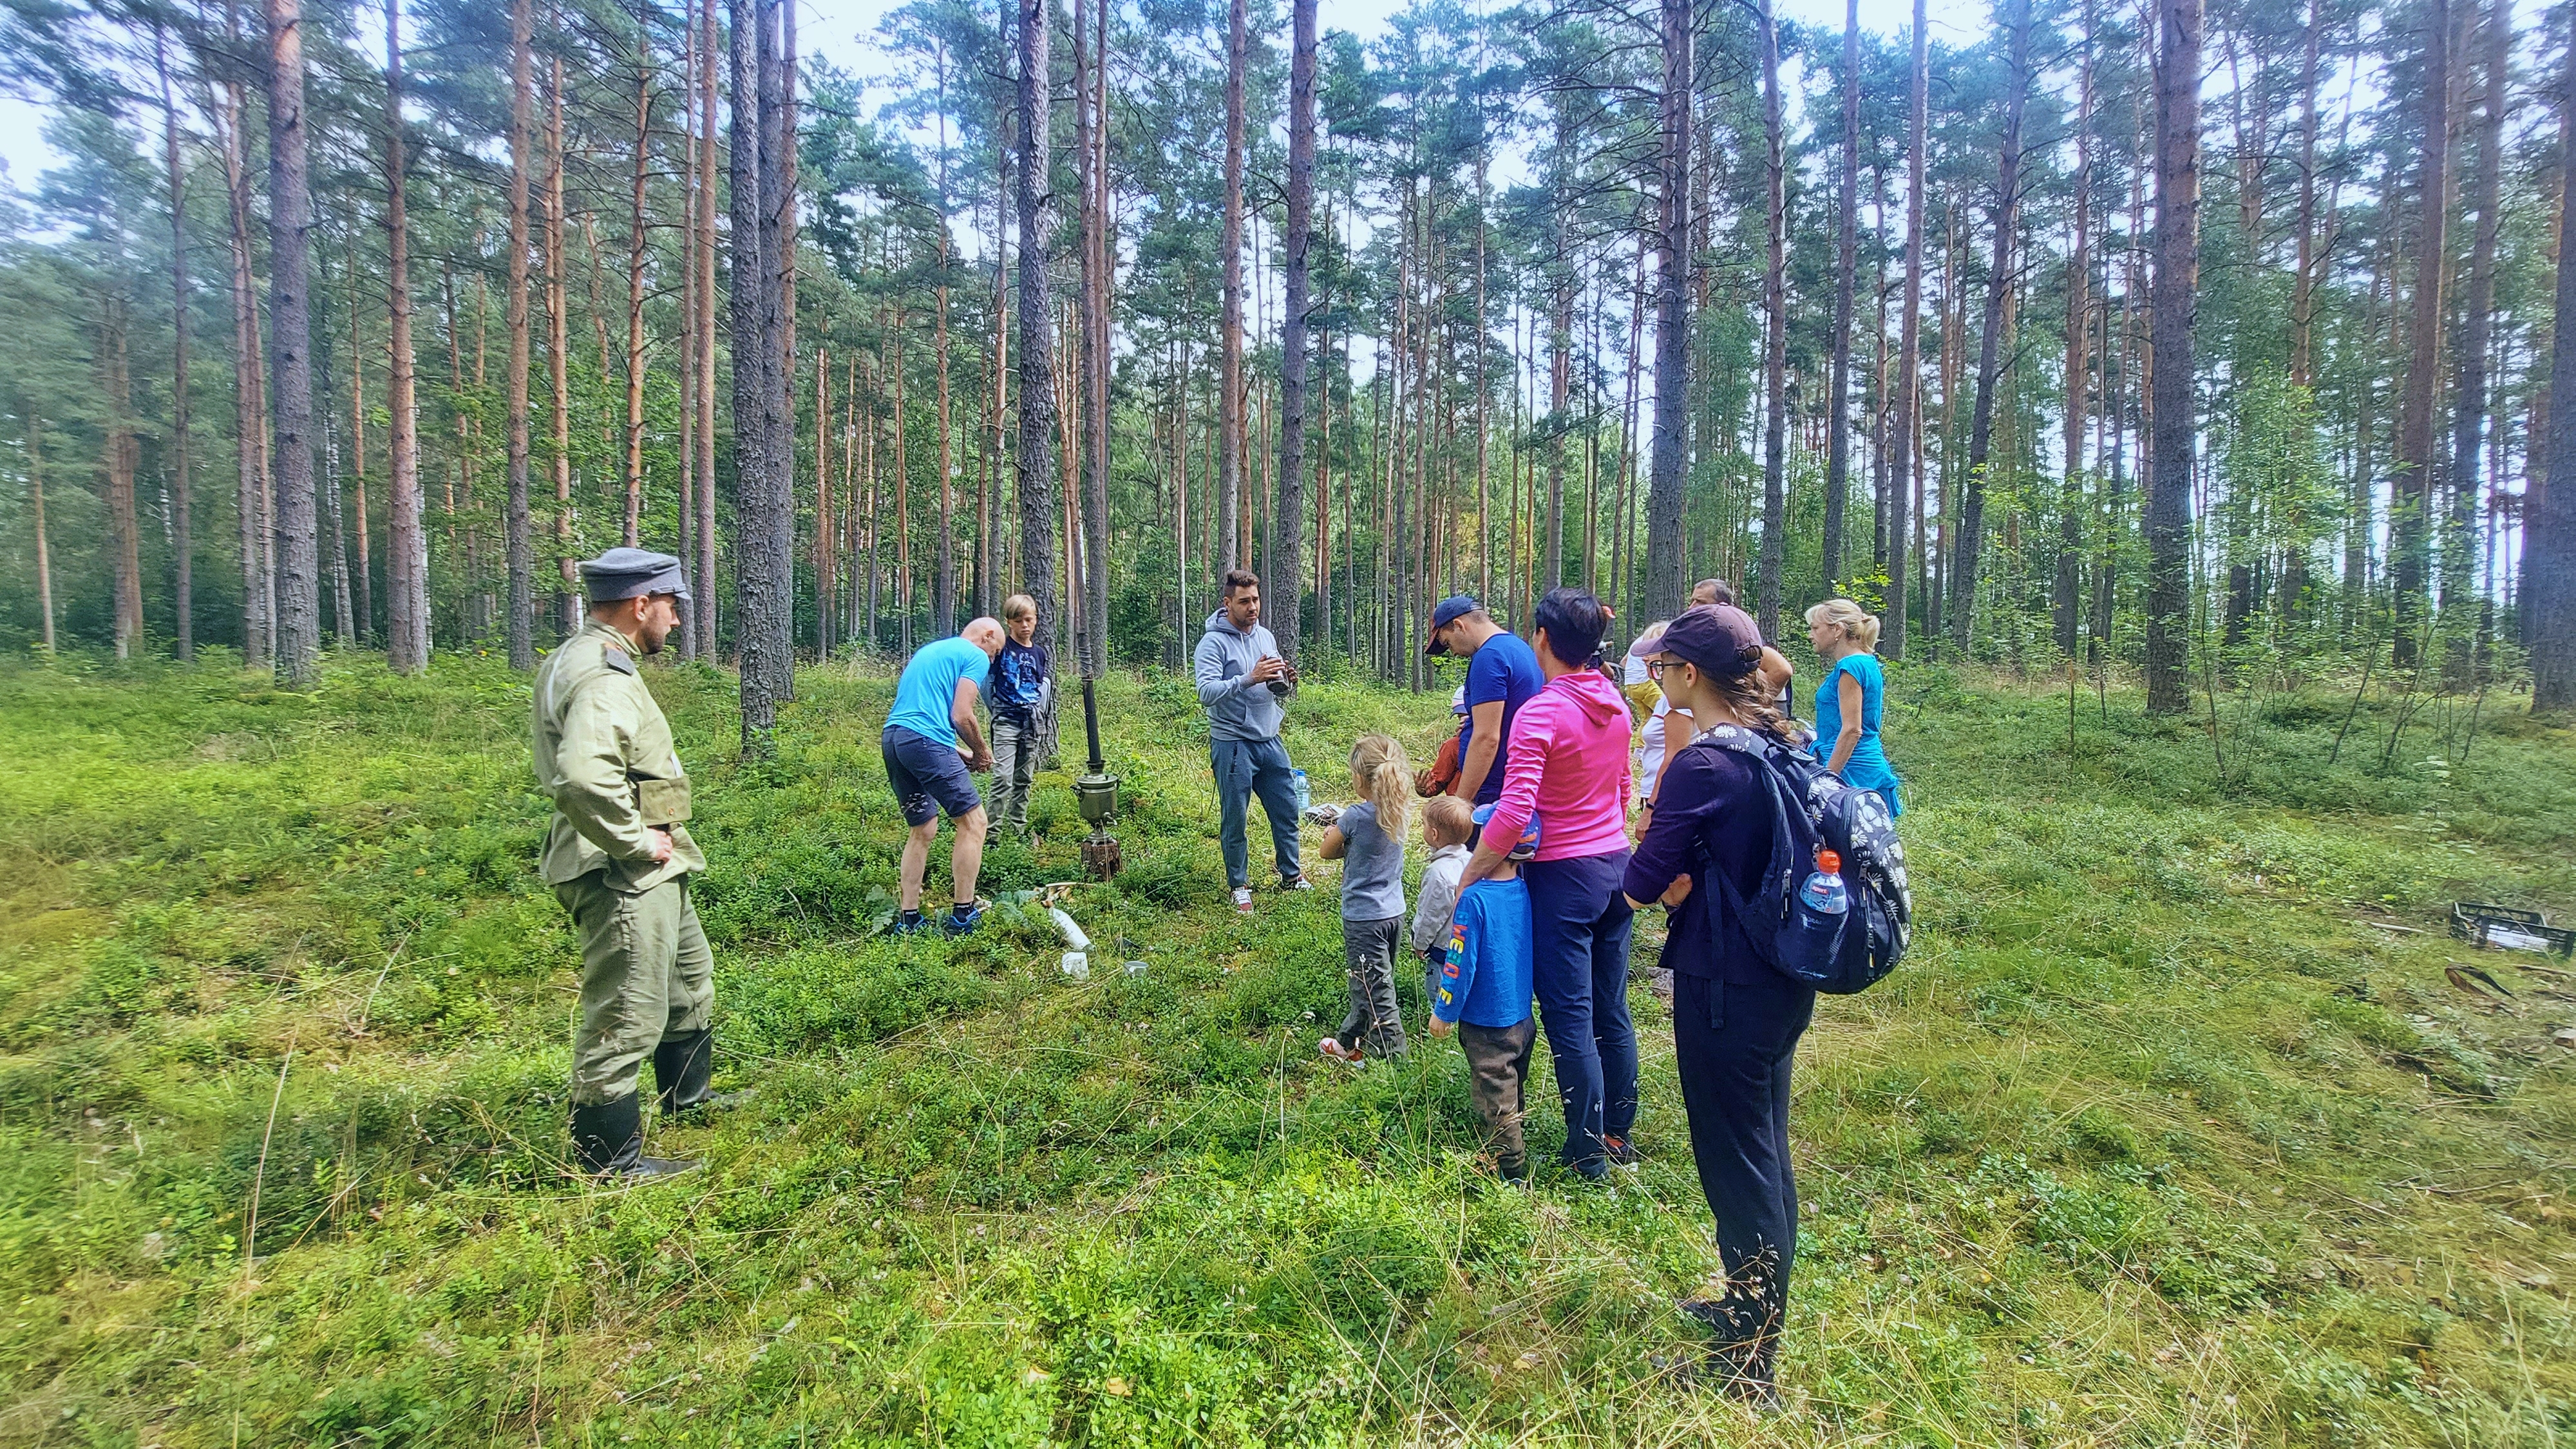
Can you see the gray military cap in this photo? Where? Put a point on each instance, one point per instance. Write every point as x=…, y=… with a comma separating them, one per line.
x=631, y=573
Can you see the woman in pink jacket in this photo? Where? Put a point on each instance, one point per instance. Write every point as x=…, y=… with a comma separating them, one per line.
x=1568, y=765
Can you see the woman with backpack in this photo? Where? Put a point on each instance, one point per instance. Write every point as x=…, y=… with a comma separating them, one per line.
x=1736, y=1018
x=1847, y=703
x=1568, y=766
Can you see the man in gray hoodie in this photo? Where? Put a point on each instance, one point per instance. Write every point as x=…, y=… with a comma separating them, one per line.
x=1242, y=681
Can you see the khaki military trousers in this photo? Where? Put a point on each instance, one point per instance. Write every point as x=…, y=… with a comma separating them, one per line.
x=646, y=972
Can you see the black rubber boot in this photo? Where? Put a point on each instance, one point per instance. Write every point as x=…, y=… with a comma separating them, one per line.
x=683, y=1064
x=609, y=1138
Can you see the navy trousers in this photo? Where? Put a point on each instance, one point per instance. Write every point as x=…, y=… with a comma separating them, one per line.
x=1579, y=931
x=1732, y=1044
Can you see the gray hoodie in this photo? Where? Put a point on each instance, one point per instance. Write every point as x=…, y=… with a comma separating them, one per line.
x=1237, y=711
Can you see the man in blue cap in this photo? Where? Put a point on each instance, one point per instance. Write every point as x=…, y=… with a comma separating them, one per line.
x=1502, y=674
x=619, y=858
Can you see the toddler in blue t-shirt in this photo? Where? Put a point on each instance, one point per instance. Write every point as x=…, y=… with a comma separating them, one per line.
x=1484, y=996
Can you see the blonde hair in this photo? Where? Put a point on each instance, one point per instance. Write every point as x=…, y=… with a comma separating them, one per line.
x=1450, y=817
x=1378, y=761
x=1019, y=606
x=1858, y=624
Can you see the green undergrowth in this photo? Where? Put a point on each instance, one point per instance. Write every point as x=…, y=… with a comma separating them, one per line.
x=2172, y=1129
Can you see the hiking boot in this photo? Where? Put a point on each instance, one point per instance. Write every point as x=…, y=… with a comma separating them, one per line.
x=608, y=1137
x=963, y=918
x=1243, y=900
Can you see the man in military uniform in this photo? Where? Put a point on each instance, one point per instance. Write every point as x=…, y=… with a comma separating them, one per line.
x=619, y=857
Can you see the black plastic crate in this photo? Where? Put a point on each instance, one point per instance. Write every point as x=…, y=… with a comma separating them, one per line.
x=2504, y=928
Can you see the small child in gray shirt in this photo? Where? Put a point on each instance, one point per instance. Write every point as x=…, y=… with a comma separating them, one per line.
x=1368, y=838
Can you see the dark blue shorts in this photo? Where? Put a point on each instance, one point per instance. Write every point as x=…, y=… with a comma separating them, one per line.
x=923, y=771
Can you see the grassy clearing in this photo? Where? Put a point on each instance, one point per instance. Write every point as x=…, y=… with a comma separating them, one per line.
x=2167, y=1133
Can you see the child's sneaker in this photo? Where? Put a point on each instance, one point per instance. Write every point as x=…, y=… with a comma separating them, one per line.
x=963, y=918
x=909, y=923
x=1243, y=900
x=1331, y=1049
x=1296, y=883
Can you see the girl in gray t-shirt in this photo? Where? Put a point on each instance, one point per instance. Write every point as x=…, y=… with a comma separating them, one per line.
x=1368, y=838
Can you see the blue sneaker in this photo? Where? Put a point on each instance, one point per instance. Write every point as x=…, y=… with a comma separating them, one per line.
x=962, y=919
x=910, y=923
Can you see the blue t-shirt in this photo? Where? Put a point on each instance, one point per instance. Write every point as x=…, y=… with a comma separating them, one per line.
x=928, y=689
x=1487, y=978
x=1868, y=767
x=1506, y=668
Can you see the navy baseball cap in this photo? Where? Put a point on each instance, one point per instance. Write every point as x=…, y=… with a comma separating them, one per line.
x=1719, y=638
x=1445, y=613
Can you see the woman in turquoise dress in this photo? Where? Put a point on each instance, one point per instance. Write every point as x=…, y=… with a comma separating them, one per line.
x=1847, y=701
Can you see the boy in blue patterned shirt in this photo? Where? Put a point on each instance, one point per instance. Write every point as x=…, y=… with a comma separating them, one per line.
x=1017, y=687
x=1484, y=996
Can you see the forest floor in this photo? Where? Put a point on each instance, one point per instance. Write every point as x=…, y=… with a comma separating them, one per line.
x=2170, y=1130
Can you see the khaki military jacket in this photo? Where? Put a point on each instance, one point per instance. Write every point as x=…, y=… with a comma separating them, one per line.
x=604, y=756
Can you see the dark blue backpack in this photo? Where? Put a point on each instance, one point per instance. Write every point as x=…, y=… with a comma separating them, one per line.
x=1814, y=809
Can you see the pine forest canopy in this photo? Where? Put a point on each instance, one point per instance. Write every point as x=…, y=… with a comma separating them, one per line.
x=2092, y=337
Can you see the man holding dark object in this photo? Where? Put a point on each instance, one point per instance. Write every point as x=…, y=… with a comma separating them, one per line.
x=1243, y=684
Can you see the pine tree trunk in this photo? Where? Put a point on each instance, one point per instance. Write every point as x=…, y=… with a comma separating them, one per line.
x=1903, y=552
x=1229, y=401
x=249, y=429
x=2548, y=587
x=1838, y=444
x=1669, y=466
x=1286, y=562
x=1970, y=539
x=705, y=222
x=568, y=601
x=184, y=549
x=1775, y=382
x=765, y=515
x=519, y=545
x=406, y=544
x=631, y=534
x=2177, y=278
x=943, y=579
x=365, y=605
x=2411, y=497
x=1036, y=458
x=290, y=218
x=2477, y=326
x=117, y=457
x=2066, y=597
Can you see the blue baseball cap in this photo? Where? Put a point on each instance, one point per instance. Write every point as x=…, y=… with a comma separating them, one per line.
x=1445, y=613
x=1523, y=848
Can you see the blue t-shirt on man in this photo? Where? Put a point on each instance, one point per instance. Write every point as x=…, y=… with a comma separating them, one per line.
x=923, y=697
x=1504, y=668
x=1487, y=979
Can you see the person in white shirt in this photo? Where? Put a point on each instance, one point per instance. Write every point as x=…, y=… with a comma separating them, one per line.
x=1447, y=825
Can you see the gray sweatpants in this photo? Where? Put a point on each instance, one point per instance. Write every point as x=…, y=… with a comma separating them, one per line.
x=1373, y=1026
x=1015, y=759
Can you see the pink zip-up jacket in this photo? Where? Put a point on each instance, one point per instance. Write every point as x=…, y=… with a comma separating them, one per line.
x=1569, y=763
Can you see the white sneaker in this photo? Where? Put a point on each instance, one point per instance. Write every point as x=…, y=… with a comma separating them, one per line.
x=1243, y=900
x=1296, y=883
